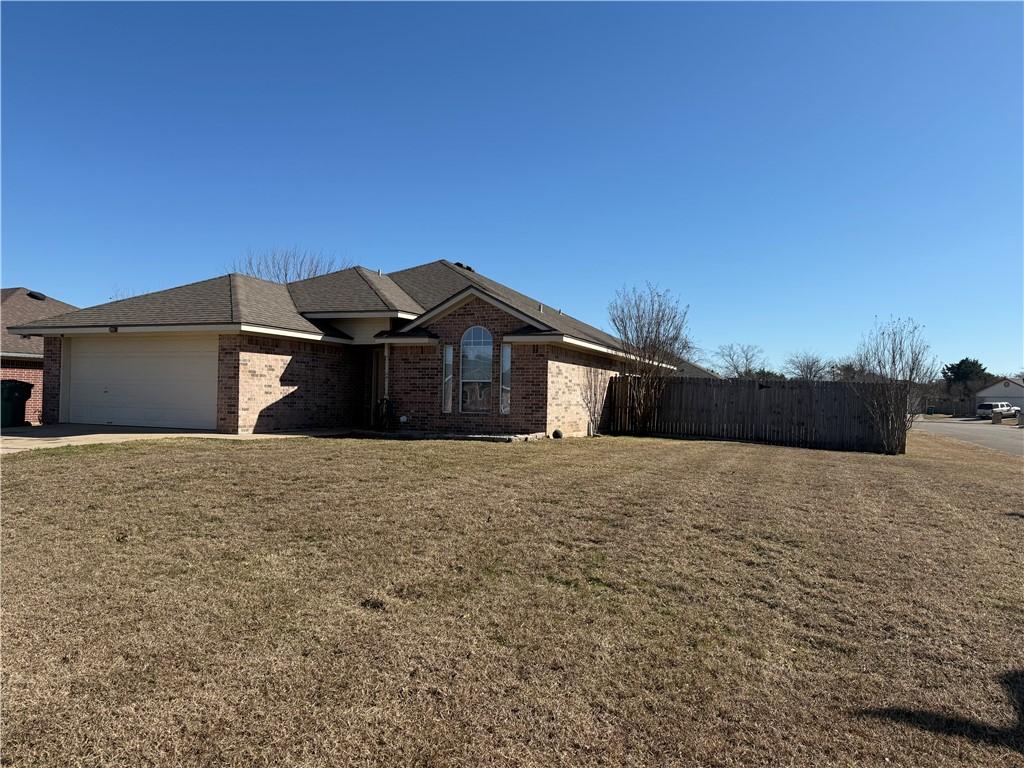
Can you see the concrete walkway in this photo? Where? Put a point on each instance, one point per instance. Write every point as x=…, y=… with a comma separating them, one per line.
x=60, y=435
x=1000, y=437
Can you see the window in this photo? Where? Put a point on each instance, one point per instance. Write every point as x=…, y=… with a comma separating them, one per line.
x=506, y=379
x=446, y=387
x=475, y=369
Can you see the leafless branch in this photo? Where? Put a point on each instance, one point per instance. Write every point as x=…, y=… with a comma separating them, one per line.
x=808, y=366
x=594, y=389
x=890, y=370
x=120, y=293
x=740, y=361
x=284, y=265
x=653, y=329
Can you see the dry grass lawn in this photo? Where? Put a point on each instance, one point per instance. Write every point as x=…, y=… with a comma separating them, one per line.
x=582, y=602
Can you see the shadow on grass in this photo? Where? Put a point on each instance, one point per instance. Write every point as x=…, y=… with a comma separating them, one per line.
x=1011, y=737
x=1015, y=514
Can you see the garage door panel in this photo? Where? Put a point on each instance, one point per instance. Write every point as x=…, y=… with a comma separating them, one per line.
x=143, y=381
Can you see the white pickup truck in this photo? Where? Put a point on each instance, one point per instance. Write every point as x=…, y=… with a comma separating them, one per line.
x=985, y=410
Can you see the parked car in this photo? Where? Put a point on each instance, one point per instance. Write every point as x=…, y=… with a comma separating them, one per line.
x=985, y=410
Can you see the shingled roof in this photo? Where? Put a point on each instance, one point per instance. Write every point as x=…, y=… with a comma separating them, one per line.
x=19, y=306
x=227, y=299
x=433, y=283
x=356, y=289
x=235, y=298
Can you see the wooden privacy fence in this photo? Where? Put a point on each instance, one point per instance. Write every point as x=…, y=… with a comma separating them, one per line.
x=806, y=414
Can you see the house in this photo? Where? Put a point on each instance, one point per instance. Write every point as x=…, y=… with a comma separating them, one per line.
x=1008, y=390
x=437, y=347
x=22, y=358
x=689, y=369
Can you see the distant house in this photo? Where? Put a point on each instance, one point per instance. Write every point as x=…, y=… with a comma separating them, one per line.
x=1004, y=390
x=688, y=369
x=437, y=347
x=22, y=358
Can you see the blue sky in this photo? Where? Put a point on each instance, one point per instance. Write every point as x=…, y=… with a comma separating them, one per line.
x=790, y=171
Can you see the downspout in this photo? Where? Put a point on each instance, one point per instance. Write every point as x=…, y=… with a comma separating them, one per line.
x=387, y=370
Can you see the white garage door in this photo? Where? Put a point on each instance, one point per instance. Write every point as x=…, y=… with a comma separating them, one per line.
x=142, y=381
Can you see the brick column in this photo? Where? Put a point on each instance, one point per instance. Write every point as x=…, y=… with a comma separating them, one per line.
x=51, y=379
x=227, y=383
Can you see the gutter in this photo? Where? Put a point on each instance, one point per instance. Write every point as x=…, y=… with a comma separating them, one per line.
x=227, y=328
x=571, y=342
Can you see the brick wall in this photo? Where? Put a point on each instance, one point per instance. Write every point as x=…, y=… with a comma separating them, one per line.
x=227, y=383
x=51, y=380
x=415, y=371
x=30, y=371
x=266, y=384
x=575, y=379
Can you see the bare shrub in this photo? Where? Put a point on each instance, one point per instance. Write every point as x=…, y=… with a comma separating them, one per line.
x=653, y=329
x=890, y=370
x=594, y=389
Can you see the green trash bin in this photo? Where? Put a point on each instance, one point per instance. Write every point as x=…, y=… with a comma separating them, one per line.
x=13, y=396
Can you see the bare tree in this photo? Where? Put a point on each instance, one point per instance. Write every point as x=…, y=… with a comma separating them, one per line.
x=890, y=370
x=284, y=265
x=119, y=293
x=740, y=361
x=808, y=366
x=653, y=330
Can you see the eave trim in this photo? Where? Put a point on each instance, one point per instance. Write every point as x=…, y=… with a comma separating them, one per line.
x=227, y=328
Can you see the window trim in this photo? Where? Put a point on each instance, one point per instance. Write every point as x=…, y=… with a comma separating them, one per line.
x=505, y=380
x=462, y=370
x=447, y=377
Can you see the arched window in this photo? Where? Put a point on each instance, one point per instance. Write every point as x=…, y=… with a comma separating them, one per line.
x=475, y=370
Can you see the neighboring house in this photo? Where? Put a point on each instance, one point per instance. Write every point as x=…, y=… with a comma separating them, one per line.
x=1004, y=390
x=22, y=358
x=449, y=349
x=691, y=370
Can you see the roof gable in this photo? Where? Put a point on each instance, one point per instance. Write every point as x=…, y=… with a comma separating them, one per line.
x=432, y=284
x=1004, y=385
x=462, y=298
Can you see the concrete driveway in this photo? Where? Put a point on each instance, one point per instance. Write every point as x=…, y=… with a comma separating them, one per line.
x=1000, y=437
x=59, y=435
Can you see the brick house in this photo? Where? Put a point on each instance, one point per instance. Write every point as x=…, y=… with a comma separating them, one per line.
x=22, y=358
x=437, y=348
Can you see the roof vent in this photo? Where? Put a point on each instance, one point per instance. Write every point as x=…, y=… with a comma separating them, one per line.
x=559, y=310
x=379, y=273
x=466, y=267
x=36, y=295
x=540, y=308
